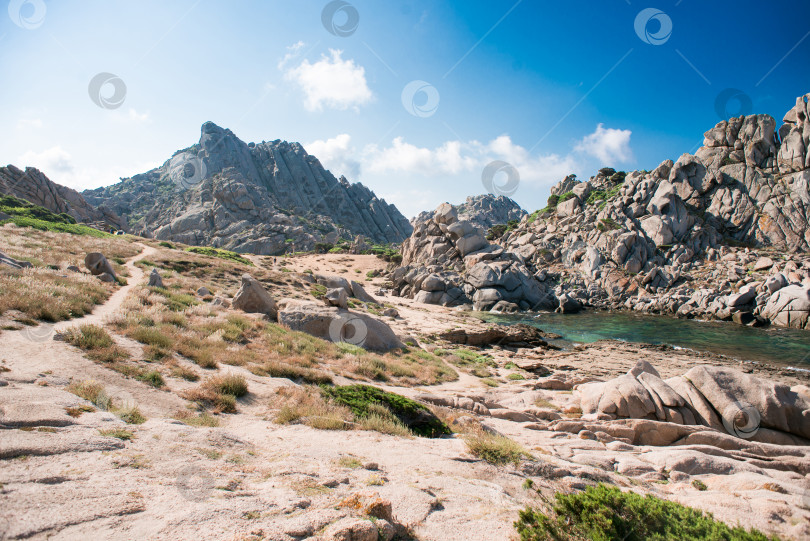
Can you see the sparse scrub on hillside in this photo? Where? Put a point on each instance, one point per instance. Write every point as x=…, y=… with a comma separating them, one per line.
x=97, y=342
x=495, y=449
x=94, y=392
x=605, y=512
x=45, y=294
x=222, y=254
x=219, y=393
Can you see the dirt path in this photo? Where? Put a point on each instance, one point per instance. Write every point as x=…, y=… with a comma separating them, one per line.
x=31, y=352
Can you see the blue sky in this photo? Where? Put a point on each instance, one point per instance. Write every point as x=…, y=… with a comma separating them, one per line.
x=548, y=87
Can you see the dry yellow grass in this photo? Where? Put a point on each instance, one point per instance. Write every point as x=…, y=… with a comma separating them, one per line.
x=42, y=248
x=43, y=293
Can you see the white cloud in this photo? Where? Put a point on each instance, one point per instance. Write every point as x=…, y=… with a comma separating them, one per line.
x=57, y=164
x=293, y=51
x=610, y=146
x=54, y=159
x=336, y=155
x=416, y=178
x=331, y=82
x=457, y=157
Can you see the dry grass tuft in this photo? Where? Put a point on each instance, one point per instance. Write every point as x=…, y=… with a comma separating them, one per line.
x=219, y=393
x=495, y=449
x=306, y=405
x=97, y=342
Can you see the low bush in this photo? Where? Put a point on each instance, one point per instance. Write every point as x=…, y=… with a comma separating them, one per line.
x=365, y=400
x=495, y=449
x=222, y=254
x=97, y=342
x=606, y=513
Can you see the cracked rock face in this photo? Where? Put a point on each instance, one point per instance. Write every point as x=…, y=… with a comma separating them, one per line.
x=685, y=238
x=265, y=198
x=33, y=186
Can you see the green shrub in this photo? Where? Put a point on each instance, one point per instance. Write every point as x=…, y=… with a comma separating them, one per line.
x=165, y=244
x=606, y=513
x=153, y=378
x=566, y=196
x=222, y=254
x=364, y=400
x=58, y=227
x=23, y=209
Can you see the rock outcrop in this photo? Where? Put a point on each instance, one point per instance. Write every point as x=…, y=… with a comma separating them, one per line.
x=254, y=299
x=264, y=198
x=448, y=261
x=33, y=186
x=723, y=234
x=98, y=265
x=339, y=325
x=721, y=398
x=483, y=211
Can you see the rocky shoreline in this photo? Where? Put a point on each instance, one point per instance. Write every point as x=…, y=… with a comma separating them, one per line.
x=721, y=234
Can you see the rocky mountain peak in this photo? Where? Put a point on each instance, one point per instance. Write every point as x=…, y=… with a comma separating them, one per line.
x=482, y=211
x=264, y=198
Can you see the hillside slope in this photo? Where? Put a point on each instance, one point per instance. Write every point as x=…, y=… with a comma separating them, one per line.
x=36, y=188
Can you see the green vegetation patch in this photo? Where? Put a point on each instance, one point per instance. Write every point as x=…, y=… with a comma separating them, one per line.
x=360, y=399
x=606, y=513
x=222, y=254
x=19, y=207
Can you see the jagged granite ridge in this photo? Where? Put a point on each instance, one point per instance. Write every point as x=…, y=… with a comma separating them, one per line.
x=264, y=198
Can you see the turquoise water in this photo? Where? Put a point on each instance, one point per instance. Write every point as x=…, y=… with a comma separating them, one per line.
x=772, y=344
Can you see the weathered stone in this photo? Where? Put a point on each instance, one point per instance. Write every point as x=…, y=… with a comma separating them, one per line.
x=253, y=298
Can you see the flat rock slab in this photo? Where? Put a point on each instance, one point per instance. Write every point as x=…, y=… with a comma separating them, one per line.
x=14, y=443
x=17, y=415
